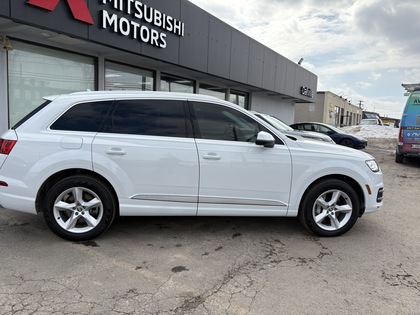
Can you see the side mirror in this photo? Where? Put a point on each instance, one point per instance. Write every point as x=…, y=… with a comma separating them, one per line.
x=265, y=139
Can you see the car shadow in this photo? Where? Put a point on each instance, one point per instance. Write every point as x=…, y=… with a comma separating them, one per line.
x=152, y=227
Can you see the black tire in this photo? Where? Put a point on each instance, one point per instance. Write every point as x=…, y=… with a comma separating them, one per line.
x=399, y=158
x=329, y=208
x=79, y=208
x=347, y=143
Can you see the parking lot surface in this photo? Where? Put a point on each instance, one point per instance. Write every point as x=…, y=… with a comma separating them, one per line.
x=167, y=265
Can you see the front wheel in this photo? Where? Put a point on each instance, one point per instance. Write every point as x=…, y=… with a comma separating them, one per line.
x=330, y=208
x=79, y=208
x=347, y=143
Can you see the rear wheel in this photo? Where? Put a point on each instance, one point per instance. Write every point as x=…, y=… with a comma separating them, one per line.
x=330, y=208
x=399, y=158
x=79, y=208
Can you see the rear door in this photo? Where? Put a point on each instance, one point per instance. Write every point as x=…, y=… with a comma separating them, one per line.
x=146, y=148
x=238, y=177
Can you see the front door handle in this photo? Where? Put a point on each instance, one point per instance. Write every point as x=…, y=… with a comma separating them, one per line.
x=116, y=151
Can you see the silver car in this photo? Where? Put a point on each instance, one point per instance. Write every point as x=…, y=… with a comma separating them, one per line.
x=286, y=129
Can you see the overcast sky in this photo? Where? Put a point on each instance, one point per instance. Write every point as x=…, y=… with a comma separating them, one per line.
x=360, y=49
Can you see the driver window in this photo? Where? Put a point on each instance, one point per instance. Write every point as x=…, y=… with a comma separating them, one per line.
x=323, y=129
x=218, y=122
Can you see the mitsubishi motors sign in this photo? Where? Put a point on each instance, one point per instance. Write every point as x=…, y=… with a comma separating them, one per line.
x=130, y=18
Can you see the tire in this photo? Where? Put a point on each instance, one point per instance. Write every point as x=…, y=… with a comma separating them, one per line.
x=79, y=208
x=330, y=208
x=347, y=143
x=399, y=158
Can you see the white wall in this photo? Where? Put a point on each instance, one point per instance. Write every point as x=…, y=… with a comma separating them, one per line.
x=273, y=105
x=3, y=91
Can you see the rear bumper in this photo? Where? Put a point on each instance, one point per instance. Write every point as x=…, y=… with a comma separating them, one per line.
x=408, y=150
x=17, y=203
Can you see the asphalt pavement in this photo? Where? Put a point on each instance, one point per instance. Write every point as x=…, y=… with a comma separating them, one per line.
x=252, y=266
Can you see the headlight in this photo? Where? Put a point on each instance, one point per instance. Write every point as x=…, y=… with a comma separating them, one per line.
x=374, y=167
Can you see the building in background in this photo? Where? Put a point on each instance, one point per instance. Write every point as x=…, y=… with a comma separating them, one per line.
x=329, y=108
x=54, y=47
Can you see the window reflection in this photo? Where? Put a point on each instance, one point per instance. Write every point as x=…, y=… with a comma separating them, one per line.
x=122, y=77
x=170, y=83
x=35, y=72
x=239, y=98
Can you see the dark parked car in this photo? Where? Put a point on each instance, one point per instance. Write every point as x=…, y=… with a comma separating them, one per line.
x=336, y=134
x=287, y=130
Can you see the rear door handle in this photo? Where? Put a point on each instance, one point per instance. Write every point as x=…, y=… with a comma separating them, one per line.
x=211, y=156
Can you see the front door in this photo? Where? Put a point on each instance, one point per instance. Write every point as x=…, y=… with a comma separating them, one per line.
x=238, y=177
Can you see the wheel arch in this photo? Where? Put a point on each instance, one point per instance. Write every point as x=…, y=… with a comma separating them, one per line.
x=349, y=140
x=53, y=179
x=348, y=180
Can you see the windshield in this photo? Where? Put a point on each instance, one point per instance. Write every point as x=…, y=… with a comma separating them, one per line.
x=368, y=122
x=335, y=129
x=275, y=122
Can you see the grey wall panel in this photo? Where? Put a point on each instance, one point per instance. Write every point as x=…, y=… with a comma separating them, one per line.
x=220, y=38
x=193, y=52
x=256, y=64
x=108, y=36
x=280, y=84
x=171, y=52
x=208, y=45
x=5, y=8
x=58, y=20
x=239, y=62
x=290, y=78
x=269, y=74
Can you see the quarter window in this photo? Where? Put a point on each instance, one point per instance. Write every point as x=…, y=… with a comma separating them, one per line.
x=83, y=117
x=164, y=118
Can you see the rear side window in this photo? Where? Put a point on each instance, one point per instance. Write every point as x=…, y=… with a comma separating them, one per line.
x=164, y=118
x=83, y=117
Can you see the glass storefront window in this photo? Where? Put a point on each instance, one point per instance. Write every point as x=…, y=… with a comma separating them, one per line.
x=170, y=83
x=211, y=90
x=122, y=77
x=239, y=98
x=35, y=71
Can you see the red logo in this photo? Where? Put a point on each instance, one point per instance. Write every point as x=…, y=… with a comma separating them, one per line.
x=78, y=8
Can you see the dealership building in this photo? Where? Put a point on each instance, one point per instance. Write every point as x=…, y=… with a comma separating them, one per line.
x=60, y=46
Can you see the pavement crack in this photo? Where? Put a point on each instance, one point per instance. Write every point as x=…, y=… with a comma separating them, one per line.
x=401, y=278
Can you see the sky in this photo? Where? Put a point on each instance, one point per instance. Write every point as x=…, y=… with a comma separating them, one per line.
x=362, y=50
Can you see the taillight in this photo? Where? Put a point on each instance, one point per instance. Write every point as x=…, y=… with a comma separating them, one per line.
x=400, y=136
x=6, y=146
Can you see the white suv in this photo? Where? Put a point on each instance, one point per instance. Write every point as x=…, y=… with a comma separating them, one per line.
x=84, y=158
